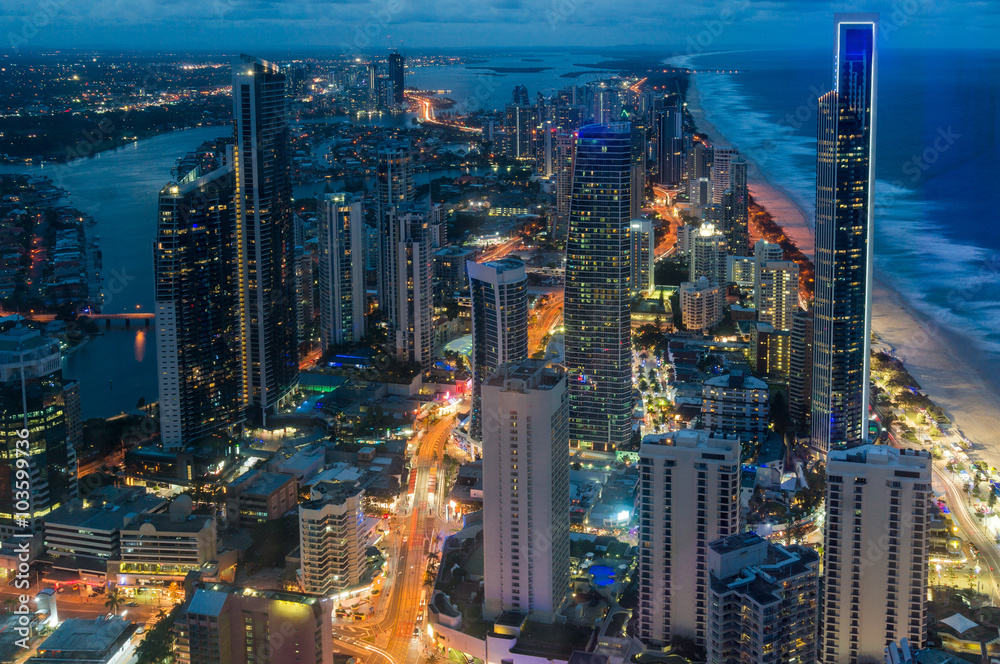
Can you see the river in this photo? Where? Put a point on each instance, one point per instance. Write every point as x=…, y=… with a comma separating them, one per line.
x=119, y=189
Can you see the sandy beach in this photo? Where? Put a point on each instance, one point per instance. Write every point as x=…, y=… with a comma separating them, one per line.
x=936, y=357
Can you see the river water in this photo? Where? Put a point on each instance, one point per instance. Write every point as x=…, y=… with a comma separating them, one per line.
x=119, y=189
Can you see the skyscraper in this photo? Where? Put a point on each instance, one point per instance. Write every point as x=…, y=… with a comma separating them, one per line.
x=688, y=496
x=341, y=269
x=699, y=174
x=800, y=369
x=519, y=125
x=708, y=255
x=844, y=229
x=265, y=236
x=526, y=475
x=875, y=551
x=638, y=126
x=565, y=149
x=597, y=317
x=409, y=307
x=196, y=264
x=670, y=143
x=776, y=294
x=499, y=294
x=735, y=208
x=33, y=409
x=393, y=187
x=721, y=158
x=397, y=75
x=641, y=255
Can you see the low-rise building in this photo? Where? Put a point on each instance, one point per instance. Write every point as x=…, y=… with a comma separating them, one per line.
x=259, y=495
x=231, y=625
x=162, y=548
x=105, y=640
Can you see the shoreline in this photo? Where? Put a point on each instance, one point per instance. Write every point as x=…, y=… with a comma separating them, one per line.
x=967, y=392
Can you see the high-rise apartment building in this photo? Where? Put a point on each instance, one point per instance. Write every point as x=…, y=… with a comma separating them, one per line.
x=499, y=294
x=642, y=255
x=196, y=262
x=519, y=126
x=721, y=157
x=845, y=161
x=688, y=496
x=875, y=551
x=670, y=156
x=565, y=148
x=736, y=404
x=800, y=369
x=776, y=295
x=638, y=125
x=265, y=236
x=397, y=74
x=526, y=476
x=702, y=305
x=597, y=315
x=331, y=537
x=708, y=255
x=699, y=178
x=220, y=623
x=341, y=269
x=765, y=252
x=763, y=600
x=409, y=259
x=33, y=413
x=736, y=208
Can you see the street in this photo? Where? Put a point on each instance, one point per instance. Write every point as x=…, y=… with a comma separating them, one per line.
x=394, y=625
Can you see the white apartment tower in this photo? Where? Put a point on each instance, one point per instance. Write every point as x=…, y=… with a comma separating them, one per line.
x=526, y=477
x=875, y=548
x=408, y=266
x=776, y=293
x=642, y=255
x=688, y=496
x=331, y=537
x=708, y=255
x=341, y=269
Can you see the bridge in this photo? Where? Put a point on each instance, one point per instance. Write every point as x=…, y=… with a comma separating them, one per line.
x=107, y=318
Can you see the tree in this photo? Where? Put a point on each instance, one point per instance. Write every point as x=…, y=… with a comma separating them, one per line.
x=114, y=601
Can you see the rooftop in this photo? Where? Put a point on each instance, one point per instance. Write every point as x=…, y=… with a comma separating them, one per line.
x=84, y=636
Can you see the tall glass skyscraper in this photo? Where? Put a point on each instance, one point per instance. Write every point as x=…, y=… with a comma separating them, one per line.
x=499, y=294
x=597, y=318
x=265, y=235
x=397, y=76
x=341, y=269
x=844, y=226
x=197, y=318
x=33, y=408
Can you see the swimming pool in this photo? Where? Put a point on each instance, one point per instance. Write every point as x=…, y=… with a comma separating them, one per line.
x=602, y=574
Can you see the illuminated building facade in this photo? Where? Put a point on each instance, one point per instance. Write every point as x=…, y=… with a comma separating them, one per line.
x=844, y=227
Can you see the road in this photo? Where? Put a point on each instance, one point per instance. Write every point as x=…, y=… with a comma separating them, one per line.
x=989, y=556
x=669, y=240
x=392, y=631
x=545, y=317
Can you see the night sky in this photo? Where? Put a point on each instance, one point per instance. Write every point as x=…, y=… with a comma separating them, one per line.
x=442, y=25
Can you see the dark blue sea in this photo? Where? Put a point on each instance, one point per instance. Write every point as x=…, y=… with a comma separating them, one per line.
x=937, y=166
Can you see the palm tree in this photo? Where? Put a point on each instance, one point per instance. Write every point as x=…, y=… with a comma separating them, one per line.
x=114, y=601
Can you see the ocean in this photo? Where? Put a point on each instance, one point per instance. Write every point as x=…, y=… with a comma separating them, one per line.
x=937, y=236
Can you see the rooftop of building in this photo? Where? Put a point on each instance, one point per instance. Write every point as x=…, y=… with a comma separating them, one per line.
x=737, y=380
x=170, y=523
x=106, y=509
x=455, y=250
x=536, y=373
x=84, y=636
x=551, y=641
x=691, y=438
x=331, y=493
x=209, y=600
x=268, y=482
x=881, y=455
